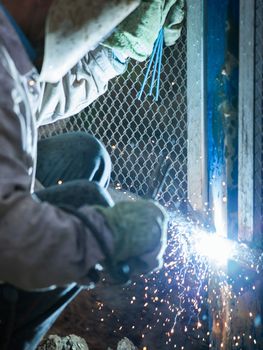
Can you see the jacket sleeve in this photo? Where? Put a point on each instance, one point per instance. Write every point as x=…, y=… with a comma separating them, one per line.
x=80, y=87
x=40, y=245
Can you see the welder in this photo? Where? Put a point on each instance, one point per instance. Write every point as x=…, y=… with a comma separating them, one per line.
x=56, y=239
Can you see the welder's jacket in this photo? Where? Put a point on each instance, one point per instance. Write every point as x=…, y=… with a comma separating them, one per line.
x=40, y=245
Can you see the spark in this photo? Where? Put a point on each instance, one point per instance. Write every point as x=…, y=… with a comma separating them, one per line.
x=179, y=294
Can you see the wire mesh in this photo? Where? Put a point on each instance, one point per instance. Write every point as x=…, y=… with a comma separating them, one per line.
x=259, y=119
x=142, y=136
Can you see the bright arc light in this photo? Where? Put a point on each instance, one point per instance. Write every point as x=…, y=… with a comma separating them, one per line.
x=213, y=246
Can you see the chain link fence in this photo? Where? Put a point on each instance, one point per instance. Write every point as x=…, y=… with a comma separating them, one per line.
x=147, y=140
x=259, y=118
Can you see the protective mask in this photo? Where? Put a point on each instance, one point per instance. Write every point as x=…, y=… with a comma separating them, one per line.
x=75, y=27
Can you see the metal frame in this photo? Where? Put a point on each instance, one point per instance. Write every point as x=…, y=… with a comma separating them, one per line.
x=258, y=145
x=197, y=156
x=246, y=121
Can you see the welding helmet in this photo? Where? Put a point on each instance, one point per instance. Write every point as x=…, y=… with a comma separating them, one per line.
x=75, y=27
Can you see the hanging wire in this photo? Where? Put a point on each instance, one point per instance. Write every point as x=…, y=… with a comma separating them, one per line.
x=155, y=58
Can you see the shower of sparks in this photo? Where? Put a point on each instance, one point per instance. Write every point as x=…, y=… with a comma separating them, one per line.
x=179, y=296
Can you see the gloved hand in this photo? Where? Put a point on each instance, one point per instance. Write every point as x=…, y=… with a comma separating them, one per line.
x=174, y=23
x=139, y=229
x=136, y=35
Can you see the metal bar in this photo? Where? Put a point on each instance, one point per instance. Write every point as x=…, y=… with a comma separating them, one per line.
x=246, y=121
x=258, y=145
x=221, y=79
x=197, y=167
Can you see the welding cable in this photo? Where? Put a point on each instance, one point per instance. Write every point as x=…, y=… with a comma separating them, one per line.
x=120, y=272
x=162, y=180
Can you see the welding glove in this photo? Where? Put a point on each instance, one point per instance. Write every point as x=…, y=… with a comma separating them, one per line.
x=139, y=230
x=136, y=35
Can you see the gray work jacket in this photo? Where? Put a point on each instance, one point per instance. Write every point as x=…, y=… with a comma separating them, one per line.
x=40, y=245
